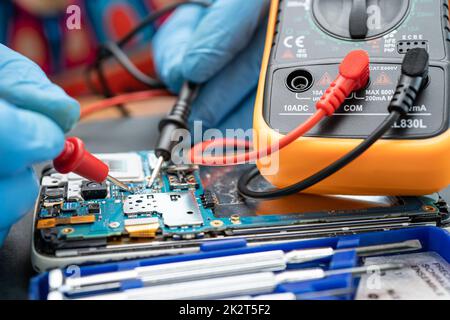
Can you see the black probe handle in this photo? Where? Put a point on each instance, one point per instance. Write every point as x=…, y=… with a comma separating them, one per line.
x=414, y=77
x=165, y=142
x=177, y=119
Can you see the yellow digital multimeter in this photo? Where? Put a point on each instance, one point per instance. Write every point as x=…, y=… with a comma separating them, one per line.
x=306, y=41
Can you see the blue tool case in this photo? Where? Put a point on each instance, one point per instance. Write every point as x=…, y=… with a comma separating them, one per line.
x=432, y=239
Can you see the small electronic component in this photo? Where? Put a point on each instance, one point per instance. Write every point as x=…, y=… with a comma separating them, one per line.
x=54, y=193
x=53, y=196
x=74, y=191
x=142, y=227
x=53, y=222
x=54, y=180
x=182, y=177
x=49, y=212
x=208, y=200
x=93, y=190
x=69, y=208
x=94, y=208
x=142, y=231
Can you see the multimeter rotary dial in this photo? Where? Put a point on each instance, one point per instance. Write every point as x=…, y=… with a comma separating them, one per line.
x=359, y=19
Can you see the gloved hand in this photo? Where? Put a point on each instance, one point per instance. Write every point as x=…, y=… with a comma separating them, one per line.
x=34, y=115
x=221, y=46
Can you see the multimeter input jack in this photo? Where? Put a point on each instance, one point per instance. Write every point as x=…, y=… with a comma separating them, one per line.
x=299, y=80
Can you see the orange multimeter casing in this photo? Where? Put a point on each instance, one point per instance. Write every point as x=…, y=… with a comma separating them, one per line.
x=304, y=47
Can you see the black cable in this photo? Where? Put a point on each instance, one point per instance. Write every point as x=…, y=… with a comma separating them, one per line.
x=112, y=49
x=89, y=81
x=157, y=15
x=129, y=66
x=413, y=79
x=245, y=180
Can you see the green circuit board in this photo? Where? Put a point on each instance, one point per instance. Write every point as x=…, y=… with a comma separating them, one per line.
x=186, y=203
x=179, y=192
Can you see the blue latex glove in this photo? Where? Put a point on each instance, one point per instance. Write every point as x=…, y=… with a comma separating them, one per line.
x=34, y=115
x=221, y=46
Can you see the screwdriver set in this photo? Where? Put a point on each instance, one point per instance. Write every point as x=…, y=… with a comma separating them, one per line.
x=327, y=268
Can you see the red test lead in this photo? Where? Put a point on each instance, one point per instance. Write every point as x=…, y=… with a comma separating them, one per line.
x=75, y=158
x=353, y=75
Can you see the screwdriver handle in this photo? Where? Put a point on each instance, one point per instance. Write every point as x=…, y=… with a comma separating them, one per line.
x=75, y=158
x=308, y=255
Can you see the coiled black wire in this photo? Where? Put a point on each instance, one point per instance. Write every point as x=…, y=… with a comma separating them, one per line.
x=114, y=50
x=246, y=178
x=413, y=79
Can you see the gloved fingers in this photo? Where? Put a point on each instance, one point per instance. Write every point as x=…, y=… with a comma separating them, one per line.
x=224, y=92
x=26, y=138
x=3, y=235
x=225, y=30
x=171, y=41
x=25, y=85
x=17, y=197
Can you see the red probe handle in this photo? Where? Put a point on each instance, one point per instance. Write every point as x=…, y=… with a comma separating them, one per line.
x=354, y=74
x=75, y=158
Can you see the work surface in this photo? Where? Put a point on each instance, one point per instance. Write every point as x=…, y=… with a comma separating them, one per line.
x=105, y=136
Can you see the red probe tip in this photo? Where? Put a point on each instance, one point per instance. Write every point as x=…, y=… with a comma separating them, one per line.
x=353, y=75
x=75, y=158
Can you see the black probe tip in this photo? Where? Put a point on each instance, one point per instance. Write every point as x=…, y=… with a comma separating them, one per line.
x=416, y=63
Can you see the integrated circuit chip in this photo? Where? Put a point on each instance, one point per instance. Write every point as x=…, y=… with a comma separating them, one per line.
x=93, y=190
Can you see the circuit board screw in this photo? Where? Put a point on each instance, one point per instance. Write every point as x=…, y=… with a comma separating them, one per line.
x=114, y=225
x=429, y=209
x=67, y=230
x=235, y=219
x=216, y=223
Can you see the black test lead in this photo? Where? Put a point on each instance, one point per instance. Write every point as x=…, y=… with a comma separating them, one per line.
x=177, y=119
